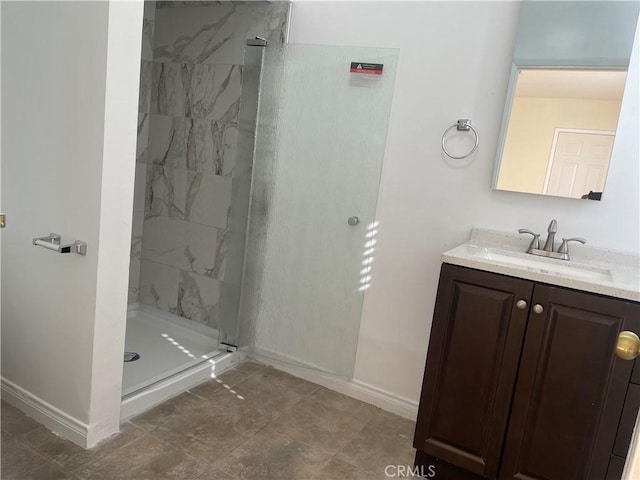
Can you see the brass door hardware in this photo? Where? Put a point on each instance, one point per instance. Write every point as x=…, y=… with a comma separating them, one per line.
x=628, y=345
x=3, y=220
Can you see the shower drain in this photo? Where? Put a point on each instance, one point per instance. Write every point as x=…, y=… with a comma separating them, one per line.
x=131, y=356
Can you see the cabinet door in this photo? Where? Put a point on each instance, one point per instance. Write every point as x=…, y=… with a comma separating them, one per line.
x=474, y=348
x=571, y=387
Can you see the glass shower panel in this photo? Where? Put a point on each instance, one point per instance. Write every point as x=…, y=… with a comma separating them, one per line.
x=322, y=124
x=230, y=286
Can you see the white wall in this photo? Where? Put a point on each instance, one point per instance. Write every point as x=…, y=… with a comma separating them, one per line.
x=0, y=185
x=67, y=169
x=118, y=172
x=455, y=59
x=548, y=33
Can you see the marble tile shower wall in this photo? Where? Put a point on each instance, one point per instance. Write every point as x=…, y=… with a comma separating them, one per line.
x=189, y=113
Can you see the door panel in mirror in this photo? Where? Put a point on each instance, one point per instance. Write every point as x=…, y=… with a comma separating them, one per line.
x=579, y=162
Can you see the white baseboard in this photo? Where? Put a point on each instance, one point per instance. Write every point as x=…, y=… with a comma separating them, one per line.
x=359, y=390
x=51, y=417
x=153, y=395
x=80, y=433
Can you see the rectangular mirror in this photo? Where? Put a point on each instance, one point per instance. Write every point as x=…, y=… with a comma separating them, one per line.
x=564, y=97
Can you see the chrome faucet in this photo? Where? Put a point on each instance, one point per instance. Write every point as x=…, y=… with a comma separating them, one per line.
x=547, y=251
x=552, y=229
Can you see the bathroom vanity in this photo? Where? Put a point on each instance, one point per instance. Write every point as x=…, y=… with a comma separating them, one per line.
x=521, y=380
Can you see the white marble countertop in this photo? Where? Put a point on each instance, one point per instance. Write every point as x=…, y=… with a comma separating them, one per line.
x=591, y=269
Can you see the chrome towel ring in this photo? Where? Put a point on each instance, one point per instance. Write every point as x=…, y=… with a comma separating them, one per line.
x=463, y=125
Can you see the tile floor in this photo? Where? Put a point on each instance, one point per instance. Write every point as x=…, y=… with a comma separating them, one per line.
x=253, y=423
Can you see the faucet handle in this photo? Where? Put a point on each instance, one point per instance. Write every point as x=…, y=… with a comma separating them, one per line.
x=564, y=247
x=535, y=242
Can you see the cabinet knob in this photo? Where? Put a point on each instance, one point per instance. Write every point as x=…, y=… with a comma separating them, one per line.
x=628, y=345
x=537, y=308
x=521, y=304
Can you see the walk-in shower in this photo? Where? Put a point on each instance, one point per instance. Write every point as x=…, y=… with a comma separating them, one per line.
x=256, y=187
x=191, y=195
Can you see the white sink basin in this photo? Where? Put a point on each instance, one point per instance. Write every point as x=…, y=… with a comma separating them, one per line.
x=548, y=266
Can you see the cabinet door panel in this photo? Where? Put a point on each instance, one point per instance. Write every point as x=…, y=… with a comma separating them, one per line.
x=616, y=468
x=635, y=375
x=627, y=421
x=570, y=388
x=474, y=348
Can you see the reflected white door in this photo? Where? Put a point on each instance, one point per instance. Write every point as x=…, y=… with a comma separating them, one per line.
x=579, y=162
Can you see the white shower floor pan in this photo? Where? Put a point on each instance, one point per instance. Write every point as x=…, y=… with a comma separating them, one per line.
x=174, y=355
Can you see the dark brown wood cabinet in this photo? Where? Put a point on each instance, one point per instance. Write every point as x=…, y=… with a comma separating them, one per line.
x=474, y=351
x=516, y=392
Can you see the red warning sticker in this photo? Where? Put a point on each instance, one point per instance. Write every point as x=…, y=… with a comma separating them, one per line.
x=366, y=68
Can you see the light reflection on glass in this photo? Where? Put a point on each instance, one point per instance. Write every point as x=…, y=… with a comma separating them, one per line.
x=370, y=241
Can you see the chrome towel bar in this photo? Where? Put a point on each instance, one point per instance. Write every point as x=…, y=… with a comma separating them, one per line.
x=52, y=242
